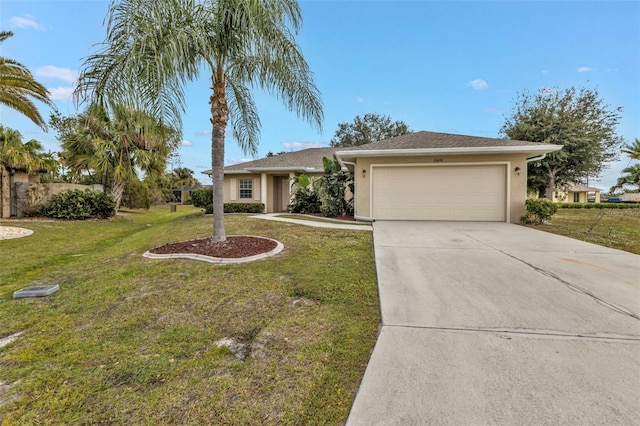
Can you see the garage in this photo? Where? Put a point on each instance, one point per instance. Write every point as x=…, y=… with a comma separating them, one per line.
x=460, y=192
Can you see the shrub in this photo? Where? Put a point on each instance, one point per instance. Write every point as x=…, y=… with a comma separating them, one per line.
x=76, y=204
x=331, y=207
x=304, y=198
x=136, y=195
x=244, y=208
x=203, y=198
x=603, y=205
x=540, y=209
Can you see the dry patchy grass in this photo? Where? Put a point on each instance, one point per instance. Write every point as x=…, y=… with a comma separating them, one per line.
x=619, y=229
x=130, y=340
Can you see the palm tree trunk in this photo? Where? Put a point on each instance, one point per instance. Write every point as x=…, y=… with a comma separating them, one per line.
x=219, y=119
x=117, y=189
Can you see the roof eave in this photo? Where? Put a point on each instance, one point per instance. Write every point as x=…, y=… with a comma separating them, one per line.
x=523, y=149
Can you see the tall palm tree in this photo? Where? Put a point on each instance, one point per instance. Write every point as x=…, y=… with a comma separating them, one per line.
x=153, y=48
x=114, y=142
x=630, y=178
x=28, y=156
x=17, y=86
x=632, y=149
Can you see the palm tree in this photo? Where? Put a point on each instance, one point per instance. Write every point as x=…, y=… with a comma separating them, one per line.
x=28, y=156
x=630, y=178
x=153, y=48
x=17, y=86
x=114, y=142
x=633, y=150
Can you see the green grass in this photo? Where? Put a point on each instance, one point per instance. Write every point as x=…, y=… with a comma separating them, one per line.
x=128, y=340
x=619, y=229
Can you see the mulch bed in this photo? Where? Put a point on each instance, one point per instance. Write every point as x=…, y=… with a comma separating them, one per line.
x=234, y=247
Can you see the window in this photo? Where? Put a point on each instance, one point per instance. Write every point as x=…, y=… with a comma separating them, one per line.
x=576, y=197
x=246, y=189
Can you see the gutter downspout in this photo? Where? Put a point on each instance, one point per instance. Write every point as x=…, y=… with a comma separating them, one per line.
x=538, y=158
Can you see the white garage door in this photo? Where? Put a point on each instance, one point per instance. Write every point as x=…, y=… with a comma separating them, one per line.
x=462, y=192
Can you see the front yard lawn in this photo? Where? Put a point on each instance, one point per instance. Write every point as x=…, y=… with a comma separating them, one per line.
x=619, y=229
x=129, y=341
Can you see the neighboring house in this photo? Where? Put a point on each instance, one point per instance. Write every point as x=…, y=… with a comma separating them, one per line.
x=577, y=193
x=630, y=197
x=418, y=176
x=183, y=193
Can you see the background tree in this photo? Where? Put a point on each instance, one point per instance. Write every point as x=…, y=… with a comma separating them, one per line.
x=184, y=177
x=153, y=48
x=113, y=143
x=630, y=179
x=372, y=127
x=17, y=86
x=632, y=149
x=579, y=120
x=28, y=156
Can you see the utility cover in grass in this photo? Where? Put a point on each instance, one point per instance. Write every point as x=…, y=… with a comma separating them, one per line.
x=38, y=291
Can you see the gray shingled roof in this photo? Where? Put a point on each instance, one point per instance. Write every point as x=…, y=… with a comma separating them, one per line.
x=429, y=140
x=310, y=160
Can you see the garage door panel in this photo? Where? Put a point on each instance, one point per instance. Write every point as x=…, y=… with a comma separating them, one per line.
x=473, y=192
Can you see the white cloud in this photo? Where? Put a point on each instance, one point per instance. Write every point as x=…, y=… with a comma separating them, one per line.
x=360, y=99
x=492, y=110
x=61, y=93
x=585, y=69
x=203, y=133
x=25, y=21
x=478, y=84
x=53, y=72
x=302, y=145
x=185, y=142
x=544, y=72
x=238, y=160
x=612, y=70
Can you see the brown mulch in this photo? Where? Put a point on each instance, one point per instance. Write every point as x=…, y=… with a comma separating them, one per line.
x=234, y=247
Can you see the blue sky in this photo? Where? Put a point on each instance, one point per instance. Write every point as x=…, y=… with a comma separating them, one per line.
x=446, y=66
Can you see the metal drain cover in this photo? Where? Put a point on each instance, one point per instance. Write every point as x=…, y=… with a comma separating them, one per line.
x=39, y=291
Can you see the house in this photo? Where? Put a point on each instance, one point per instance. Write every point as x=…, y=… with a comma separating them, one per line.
x=267, y=180
x=577, y=193
x=418, y=176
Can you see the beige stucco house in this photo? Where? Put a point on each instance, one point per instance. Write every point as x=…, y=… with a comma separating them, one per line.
x=577, y=193
x=418, y=176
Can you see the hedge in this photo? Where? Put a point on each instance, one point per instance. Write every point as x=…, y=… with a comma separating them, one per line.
x=75, y=204
x=603, y=205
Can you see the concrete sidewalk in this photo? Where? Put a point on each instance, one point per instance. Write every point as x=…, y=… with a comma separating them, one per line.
x=494, y=323
x=320, y=223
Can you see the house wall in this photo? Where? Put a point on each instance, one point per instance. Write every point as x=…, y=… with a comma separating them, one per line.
x=518, y=180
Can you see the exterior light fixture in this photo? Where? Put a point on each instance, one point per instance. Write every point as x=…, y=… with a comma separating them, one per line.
x=517, y=170
x=364, y=173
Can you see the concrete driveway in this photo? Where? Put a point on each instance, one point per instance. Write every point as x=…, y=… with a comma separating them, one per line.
x=494, y=323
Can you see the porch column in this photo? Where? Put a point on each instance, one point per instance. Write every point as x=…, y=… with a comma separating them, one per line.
x=263, y=192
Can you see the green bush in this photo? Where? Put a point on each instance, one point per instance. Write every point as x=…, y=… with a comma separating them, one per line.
x=539, y=210
x=602, y=205
x=136, y=195
x=203, y=198
x=244, y=208
x=331, y=207
x=76, y=204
